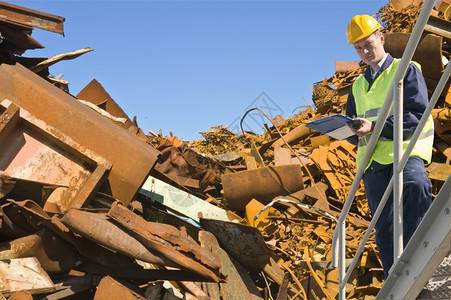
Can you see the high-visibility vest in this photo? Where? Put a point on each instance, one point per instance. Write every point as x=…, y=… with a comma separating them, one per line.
x=369, y=104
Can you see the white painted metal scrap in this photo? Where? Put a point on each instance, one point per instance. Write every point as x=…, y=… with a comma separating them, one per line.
x=181, y=202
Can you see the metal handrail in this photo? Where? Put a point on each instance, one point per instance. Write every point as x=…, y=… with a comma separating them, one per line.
x=339, y=233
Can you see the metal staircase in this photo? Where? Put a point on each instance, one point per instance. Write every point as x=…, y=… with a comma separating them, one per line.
x=426, y=250
x=430, y=245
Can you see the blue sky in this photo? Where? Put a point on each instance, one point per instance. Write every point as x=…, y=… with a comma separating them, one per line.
x=186, y=66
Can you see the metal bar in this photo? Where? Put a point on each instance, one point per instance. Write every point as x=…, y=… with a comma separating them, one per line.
x=342, y=261
x=29, y=17
x=439, y=26
x=397, y=175
x=405, y=60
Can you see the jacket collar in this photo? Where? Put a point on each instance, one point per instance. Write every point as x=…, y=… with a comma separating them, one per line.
x=384, y=66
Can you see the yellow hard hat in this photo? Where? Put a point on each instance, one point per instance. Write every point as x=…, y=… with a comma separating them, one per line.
x=361, y=26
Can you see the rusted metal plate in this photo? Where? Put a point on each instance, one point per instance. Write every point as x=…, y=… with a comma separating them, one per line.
x=22, y=16
x=439, y=171
x=428, y=53
x=132, y=158
x=95, y=93
x=346, y=66
x=21, y=40
x=33, y=150
x=244, y=243
x=110, y=288
x=400, y=4
x=262, y=184
x=239, y=284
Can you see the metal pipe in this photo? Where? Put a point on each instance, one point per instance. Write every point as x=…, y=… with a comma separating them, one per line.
x=406, y=58
x=397, y=175
x=342, y=262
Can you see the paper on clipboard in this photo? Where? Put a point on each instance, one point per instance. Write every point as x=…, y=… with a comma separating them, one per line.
x=334, y=126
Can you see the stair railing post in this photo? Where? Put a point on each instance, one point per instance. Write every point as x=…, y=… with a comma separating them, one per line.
x=397, y=175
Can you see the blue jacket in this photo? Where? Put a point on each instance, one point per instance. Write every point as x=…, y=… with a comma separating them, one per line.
x=415, y=101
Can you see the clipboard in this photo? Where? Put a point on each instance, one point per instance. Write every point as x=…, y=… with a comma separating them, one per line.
x=334, y=126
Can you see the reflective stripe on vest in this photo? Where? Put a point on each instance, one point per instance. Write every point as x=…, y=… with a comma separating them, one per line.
x=369, y=106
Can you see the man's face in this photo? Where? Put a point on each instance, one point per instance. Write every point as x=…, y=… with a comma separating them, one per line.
x=371, y=49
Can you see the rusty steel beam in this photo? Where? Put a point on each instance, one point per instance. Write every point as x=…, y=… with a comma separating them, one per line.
x=18, y=15
x=131, y=157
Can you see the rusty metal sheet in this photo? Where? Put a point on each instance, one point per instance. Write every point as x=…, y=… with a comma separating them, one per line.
x=132, y=158
x=282, y=156
x=346, y=66
x=168, y=242
x=400, y=4
x=21, y=40
x=21, y=295
x=95, y=93
x=262, y=184
x=239, y=284
x=22, y=16
x=33, y=150
x=428, y=53
x=439, y=171
x=244, y=243
x=110, y=288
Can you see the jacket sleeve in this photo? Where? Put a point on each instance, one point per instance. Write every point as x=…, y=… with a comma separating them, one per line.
x=351, y=111
x=415, y=101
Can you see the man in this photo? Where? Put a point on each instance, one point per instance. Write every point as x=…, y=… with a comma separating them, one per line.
x=365, y=101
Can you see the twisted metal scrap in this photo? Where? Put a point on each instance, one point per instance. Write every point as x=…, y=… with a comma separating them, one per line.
x=398, y=20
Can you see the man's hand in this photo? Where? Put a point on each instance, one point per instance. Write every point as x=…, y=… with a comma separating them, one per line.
x=365, y=128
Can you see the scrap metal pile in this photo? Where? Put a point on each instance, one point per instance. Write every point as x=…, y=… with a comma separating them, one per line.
x=91, y=207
